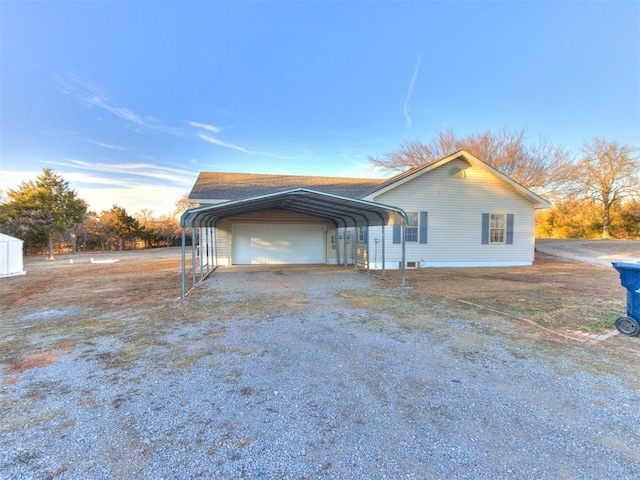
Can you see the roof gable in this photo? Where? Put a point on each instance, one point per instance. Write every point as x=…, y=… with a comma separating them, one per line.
x=221, y=186
x=415, y=172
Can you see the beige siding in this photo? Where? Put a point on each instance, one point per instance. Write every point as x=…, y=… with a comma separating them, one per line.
x=224, y=229
x=455, y=207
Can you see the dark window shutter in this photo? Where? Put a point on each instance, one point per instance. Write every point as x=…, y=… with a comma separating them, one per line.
x=396, y=234
x=510, y=228
x=485, y=228
x=424, y=219
x=365, y=235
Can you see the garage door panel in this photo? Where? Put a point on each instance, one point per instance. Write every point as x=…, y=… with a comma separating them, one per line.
x=278, y=244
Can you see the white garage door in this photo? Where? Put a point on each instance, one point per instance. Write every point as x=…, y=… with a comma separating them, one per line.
x=259, y=244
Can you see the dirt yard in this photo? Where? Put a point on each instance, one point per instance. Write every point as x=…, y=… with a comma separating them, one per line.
x=563, y=296
x=569, y=301
x=106, y=372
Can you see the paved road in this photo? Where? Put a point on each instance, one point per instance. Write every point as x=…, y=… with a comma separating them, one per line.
x=593, y=252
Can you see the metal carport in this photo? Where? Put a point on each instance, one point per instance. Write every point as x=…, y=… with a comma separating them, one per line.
x=343, y=212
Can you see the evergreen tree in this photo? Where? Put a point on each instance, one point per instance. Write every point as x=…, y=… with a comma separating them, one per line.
x=39, y=211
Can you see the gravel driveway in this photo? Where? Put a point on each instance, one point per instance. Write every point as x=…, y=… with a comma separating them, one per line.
x=323, y=373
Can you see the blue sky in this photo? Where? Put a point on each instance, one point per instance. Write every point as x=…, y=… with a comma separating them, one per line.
x=129, y=100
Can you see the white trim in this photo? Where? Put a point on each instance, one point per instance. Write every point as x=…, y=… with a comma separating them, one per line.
x=473, y=264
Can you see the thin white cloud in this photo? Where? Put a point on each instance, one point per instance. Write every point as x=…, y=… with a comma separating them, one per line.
x=101, y=192
x=220, y=143
x=146, y=170
x=160, y=199
x=106, y=145
x=93, y=96
x=11, y=179
x=205, y=126
x=207, y=137
x=414, y=77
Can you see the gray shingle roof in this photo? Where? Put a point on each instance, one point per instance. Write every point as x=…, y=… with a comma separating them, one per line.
x=217, y=186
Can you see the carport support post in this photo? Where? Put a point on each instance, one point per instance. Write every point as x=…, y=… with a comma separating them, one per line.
x=215, y=245
x=184, y=260
x=201, y=257
x=404, y=263
x=205, y=260
x=210, y=251
x=384, y=272
x=193, y=255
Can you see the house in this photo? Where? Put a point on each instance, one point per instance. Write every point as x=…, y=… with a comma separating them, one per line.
x=11, y=256
x=454, y=212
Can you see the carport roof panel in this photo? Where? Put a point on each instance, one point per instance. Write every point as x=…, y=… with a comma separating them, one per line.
x=342, y=211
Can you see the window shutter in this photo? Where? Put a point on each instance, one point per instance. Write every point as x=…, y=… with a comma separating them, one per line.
x=424, y=218
x=510, y=228
x=365, y=235
x=485, y=228
x=396, y=234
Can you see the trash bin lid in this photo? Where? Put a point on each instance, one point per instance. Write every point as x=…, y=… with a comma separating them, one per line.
x=632, y=266
x=629, y=274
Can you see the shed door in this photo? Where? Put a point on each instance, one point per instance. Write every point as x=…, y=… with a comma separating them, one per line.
x=263, y=244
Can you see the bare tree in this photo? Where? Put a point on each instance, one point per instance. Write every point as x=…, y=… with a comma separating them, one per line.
x=182, y=205
x=536, y=165
x=608, y=172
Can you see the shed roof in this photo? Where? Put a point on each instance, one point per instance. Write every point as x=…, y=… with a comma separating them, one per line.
x=342, y=211
x=220, y=186
x=8, y=238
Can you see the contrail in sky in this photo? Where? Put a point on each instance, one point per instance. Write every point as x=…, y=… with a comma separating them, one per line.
x=416, y=69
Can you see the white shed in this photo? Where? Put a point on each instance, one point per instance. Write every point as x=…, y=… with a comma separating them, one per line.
x=11, y=256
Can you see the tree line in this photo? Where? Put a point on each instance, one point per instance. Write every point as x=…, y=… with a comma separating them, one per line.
x=49, y=216
x=595, y=192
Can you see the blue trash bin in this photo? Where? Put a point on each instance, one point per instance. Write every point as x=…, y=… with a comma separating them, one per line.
x=630, y=279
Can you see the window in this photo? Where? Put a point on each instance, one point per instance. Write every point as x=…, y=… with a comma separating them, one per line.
x=415, y=230
x=497, y=228
x=411, y=230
